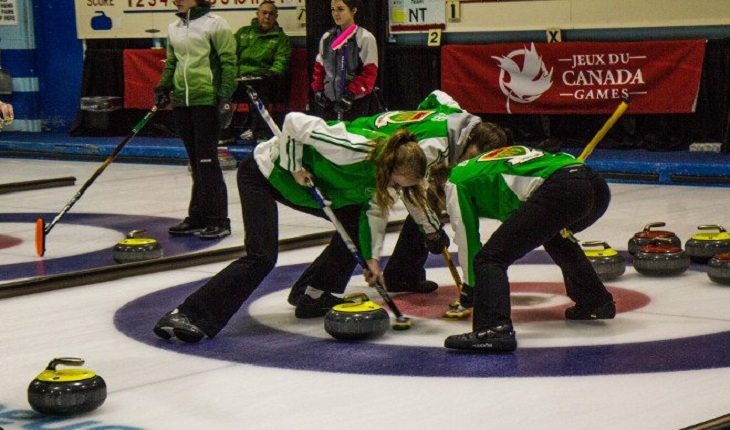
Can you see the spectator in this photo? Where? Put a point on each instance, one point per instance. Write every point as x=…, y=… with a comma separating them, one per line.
x=200, y=46
x=344, y=78
x=264, y=56
x=6, y=111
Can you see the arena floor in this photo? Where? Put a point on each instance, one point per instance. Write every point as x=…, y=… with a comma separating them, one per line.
x=663, y=363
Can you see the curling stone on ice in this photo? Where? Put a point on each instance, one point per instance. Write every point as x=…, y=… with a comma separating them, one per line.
x=606, y=261
x=356, y=321
x=66, y=391
x=703, y=245
x=718, y=268
x=136, y=247
x=661, y=258
x=645, y=236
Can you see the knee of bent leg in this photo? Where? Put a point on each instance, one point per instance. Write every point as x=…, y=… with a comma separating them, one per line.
x=486, y=257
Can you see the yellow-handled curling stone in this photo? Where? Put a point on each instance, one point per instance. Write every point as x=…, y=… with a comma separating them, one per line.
x=661, y=258
x=356, y=321
x=706, y=243
x=136, y=247
x=66, y=391
x=645, y=237
x=606, y=261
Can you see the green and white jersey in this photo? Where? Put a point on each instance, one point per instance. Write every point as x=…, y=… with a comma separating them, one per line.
x=339, y=158
x=440, y=124
x=201, y=59
x=494, y=185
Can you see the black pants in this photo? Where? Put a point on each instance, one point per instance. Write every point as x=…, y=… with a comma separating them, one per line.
x=198, y=126
x=573, y=197
x=211, y=306
x=269, y=91
x=405, y=265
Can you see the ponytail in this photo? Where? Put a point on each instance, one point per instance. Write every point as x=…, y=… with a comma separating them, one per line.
x=400, y=155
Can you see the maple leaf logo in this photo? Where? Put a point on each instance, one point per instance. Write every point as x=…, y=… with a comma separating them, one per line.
x=527, y=83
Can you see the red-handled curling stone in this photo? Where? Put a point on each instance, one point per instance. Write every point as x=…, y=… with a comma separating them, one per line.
x=661, y=258
x=645, y=237
x=718, y=268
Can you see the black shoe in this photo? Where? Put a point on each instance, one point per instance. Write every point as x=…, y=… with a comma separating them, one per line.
x=214, y=232
x=604, y=312
x=313, y=308
x=425, y=286
x=494, y=339
x=296, y=293
x=176, y=324
x=185, y=228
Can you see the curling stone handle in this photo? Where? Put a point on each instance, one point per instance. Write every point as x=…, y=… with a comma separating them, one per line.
x=595, y=243
x=654, y=224
x=660, y=241
x=711, y=227
x=68, y=361
x=135, y=234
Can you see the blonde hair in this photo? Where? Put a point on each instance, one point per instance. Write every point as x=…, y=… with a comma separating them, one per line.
x=400, y=155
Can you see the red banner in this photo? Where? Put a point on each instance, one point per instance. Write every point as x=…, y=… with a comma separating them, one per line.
x=574, y=77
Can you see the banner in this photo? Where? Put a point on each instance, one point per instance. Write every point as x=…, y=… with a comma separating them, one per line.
x=110, y=19
x=574, y=77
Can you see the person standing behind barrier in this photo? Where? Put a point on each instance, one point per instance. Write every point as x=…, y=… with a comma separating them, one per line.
x=264, y=55
x=6, y=111
x=343, y=79
x=200, y=72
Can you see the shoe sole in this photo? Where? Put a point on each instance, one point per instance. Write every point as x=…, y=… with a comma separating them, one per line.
x=187, y=336
x=185, y=233
x=164, y=332
x=209, y=237
x=495, y=345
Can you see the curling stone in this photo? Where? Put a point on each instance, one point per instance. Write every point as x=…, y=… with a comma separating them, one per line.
x=66, y=391
x=136, y=247
x=356, y=321
x=718, y=268
x=645, y=236
x=661, y=258
x=702, y=246
x=607, y=262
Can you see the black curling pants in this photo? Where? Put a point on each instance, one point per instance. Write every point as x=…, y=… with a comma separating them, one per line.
x=198, y=127
x=573, y=197
x=213, y=304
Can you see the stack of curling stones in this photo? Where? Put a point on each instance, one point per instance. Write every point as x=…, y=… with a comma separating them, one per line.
x=661, y=258
x=66, y=391
x=357, y=319
x=708, y=241
x=718, y=268
x=645, y=237
x=606, y=261
x=136, y=247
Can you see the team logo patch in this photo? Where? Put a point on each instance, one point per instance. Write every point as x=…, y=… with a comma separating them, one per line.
x=401, y=117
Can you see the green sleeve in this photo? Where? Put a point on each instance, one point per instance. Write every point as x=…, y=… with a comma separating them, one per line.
x=169, y=70
x=225, y=47
x=282, y=57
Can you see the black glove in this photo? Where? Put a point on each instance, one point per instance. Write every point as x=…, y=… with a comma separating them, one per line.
x=436, y=242
x=321, y=100
x=344, y=103
x=466, y=299
x=162, y=97
x=225, y=112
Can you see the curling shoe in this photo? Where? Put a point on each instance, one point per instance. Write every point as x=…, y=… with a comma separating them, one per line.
x=296, y=293
x=214, y=232
x=185, y=228
x=307, y=307
x=423, y=287
x=176, y=324
x=493, y=339
x=604, y=312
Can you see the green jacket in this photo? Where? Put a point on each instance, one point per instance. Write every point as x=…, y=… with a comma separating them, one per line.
x=201, y=59
x=260, y=53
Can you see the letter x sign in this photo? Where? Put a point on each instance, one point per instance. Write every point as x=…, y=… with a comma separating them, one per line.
x=553, y=35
